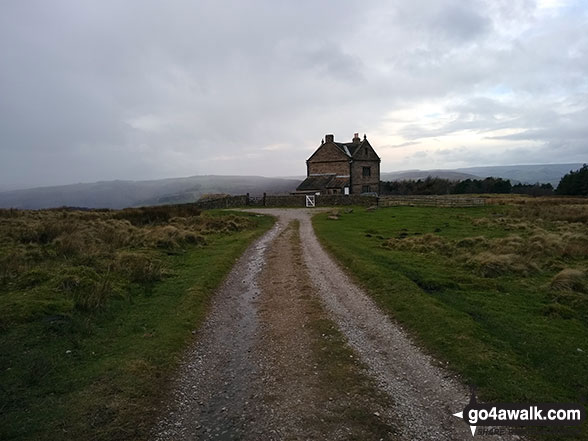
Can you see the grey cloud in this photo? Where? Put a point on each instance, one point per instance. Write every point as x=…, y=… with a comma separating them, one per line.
x=138, y=89
x=461, y=22
x=397, y=146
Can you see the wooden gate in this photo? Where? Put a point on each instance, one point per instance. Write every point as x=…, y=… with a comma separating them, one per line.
x=310, y=201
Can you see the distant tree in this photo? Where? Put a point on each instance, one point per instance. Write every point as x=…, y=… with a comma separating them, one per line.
x=488, y=185
x=431, y=186
x=533, y=190
x=574, y=183
x=499, y=185
x=428, y=186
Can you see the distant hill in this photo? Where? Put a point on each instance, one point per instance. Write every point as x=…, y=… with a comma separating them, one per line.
x=526, y=174
x=407, y=175
x=120, y=194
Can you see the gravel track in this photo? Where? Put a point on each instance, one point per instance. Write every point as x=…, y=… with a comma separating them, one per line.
x=222, y=388
x=210, y=396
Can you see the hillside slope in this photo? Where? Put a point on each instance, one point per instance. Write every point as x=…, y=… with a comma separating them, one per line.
x=120, y=194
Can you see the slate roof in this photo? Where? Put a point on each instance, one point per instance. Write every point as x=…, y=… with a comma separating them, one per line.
x=321, y=182
x=349, y=148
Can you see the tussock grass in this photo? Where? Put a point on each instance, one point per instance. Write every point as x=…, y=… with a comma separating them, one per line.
x=568, y=294
x=472, y=242
x=569, y=280
x=421, y=243
x=498, y=293
x=29, y=237
x=537, y=244
x=79, y=245
x=88, y=290
x=157, y=215
x=139, y=266
x=488, y=264
x=95, y=306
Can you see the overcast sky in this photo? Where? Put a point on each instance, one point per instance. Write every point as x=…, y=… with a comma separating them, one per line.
x=139, y=89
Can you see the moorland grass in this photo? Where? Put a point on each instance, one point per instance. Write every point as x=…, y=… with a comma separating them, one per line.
x=497, y=293
x=96, y=308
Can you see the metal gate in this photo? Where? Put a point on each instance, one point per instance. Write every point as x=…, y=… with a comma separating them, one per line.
x=310, y=201
x=256, y=201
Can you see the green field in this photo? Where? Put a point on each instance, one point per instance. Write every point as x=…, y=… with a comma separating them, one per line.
x=498, y=294
x=95, y=309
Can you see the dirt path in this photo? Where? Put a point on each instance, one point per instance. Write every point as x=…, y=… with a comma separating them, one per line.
x=294, y=350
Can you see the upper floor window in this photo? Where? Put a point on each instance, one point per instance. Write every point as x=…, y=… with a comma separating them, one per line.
x=367, y=171
x=366, y=151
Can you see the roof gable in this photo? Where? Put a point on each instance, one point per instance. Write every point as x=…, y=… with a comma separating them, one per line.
x=361, y=149
x=329, y=151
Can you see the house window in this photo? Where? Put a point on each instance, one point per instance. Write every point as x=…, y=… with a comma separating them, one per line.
x=367, y=171
x=366, y=189
x=366, y=151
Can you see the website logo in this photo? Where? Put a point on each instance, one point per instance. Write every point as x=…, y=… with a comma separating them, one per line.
x=518, y=414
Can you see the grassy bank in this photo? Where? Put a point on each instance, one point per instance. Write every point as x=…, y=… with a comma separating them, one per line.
x=95, y=309
x=499, y=294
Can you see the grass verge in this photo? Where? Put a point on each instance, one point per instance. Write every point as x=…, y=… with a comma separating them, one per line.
x=497, y=294
x=97, y=308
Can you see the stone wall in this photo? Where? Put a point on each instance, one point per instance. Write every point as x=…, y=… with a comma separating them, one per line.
x=285, y=201
x=226, y=202
x=338, y=200
x=330, y=200
x=430, y=201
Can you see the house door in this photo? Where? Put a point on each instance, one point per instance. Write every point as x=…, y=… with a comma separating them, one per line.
x=310, y=200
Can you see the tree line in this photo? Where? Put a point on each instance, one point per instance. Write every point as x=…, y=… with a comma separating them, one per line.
x=573, y=183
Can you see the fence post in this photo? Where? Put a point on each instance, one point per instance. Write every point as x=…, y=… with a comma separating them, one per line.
x=264, y=199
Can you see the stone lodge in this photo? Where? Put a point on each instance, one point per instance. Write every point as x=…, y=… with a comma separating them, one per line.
x=342, y=168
